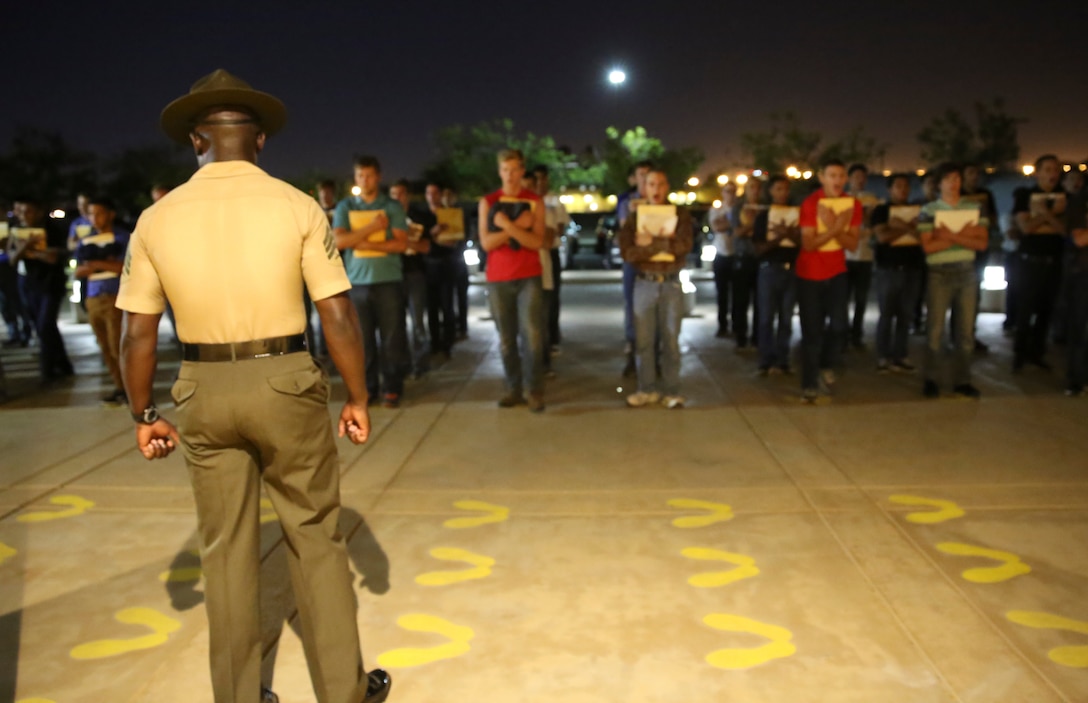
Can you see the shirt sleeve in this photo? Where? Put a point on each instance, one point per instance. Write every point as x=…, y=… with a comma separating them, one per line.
x=859, y=214
x=1021, y=200
x=397, y=218
x=322, y=267
x=340, y=217
x=881, y=215
x=141, y=290
x=807, y=216
x=760, y=226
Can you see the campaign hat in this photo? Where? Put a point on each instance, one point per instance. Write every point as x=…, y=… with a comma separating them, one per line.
x=215, y=89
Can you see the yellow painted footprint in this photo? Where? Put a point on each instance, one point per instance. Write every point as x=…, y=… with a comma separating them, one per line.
x=1010, y=566
x=946, y=509
x=717, y=512
x=34, y=700
x=779, y=646
x=160, y=626
x=6, y=552
x=1075, y=656
x=491, y=513
x=458, y=638
x=745, y=567
x=481, y=567
x=184, y=574
x=75, y=506
x=268, y=513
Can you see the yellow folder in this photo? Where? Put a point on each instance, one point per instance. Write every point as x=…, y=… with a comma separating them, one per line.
x=454, y=220
x=837, y=206
x=358, y=219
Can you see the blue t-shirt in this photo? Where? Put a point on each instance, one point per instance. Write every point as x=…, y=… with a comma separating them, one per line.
x=79, y=228
x=96, y=246
x=385, y=268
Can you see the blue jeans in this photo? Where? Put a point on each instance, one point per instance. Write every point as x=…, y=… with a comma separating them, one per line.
x=824, y=326
x=381, y=312
x=897, y=291
x=629, y=272
x=518, y=309
x=415, y=290
x=951, y=286
x=43, y=300
x=658, y=310
x=1077, y=328
x=776, y=297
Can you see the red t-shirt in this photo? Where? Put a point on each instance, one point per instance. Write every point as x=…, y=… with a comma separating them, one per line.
x=505, y=263
x=822, y=265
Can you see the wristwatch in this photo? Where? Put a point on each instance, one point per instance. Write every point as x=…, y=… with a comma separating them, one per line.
x=149, y=416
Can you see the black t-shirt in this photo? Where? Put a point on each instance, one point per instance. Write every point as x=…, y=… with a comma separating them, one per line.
x=43, y=274
x=888, y=256
x=1040, y=244
x=1077, y=218
x=775, y=255
x=413, y=263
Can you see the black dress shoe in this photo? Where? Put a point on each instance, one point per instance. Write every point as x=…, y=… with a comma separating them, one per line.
x=1041, y=363
x=378, y=683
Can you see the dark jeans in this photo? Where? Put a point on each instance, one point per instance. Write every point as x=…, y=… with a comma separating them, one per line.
x=777, y=298
x=549, y=300
x=1077, y=327
x=822, y=308
x=1012, y=291
x=460, y=289
x=1040, y=280
x=723, y=282
x=11, y=305
x=951, y=286
x=415, y=291
x=43, y=301
x=381, y=312
x=745, y=275
x=441, y=320
x=859, y=276
x=629, y=272
x=517, y=307
x=897, y=291
x=554, y=337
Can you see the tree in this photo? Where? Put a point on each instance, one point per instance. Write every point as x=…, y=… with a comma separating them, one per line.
x=992, y=142
x=130, y=174
x=624, y=150
x=44, y=165
x=787, y=143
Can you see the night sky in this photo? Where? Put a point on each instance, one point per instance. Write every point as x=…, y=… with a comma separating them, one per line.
x=381, y=77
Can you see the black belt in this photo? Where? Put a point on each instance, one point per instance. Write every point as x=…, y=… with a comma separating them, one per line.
x=783, y=265
x=1039, y=258
x=658, y=277
x=240, y=351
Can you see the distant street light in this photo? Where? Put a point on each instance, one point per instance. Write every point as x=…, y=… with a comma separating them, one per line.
x=693, y=181
x=616, y=76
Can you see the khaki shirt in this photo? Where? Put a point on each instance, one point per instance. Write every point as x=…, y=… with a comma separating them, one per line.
x=231, y=249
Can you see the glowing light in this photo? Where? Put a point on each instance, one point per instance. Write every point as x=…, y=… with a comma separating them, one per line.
x=616, y=76
x=472, y=257
x=566, y=199
x=612, y=199
x=694, y=180
x=72, y=263
x=716, y=203
x=673, y=197
x=723, y=179
x=1028, y=169
x=686, y=286
x=587, y=198
x=806, y=175
x=757, y=173
x=356, y=191
x=1067, y=168
x=921, y=172
x=887, y=172
x=741, y=179
x=58, y=214
x=993, y=278
x=691, y=197
x=710, y=252
x=593, y=207
x=792, y=172
x=77, y=291
x=1083, y=167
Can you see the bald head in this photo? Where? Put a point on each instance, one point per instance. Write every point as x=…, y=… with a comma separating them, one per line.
x=227, y=133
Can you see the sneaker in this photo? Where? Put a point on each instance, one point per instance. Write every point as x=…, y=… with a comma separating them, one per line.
x=536, y=403
x=638, y=400
x=930, y=389
x=391, y=401
x=115, y=399
x=809, y=396
x=883, y=366
x=778, y=370
x=902, y=366
x=828, y=378
x=966, y=390
x=511, y=400
x=673, y=402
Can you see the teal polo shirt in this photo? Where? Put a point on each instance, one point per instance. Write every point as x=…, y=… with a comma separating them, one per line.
x=955, y=252
x=380, y=269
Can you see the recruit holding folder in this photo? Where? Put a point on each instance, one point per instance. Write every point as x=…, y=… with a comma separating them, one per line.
x=656, y=221
x=359, y=219
x=837, y=206
x=513, y=208
x=25, y=233
x=1053, y=203
x=908, y=214
x=454, y=220
x=782, y=216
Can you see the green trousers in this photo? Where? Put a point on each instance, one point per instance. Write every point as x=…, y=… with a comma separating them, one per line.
x=266, y=419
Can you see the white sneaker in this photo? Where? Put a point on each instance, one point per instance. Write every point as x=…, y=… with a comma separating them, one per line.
x=637, y=400
x=828, y=377
x=673, y=402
